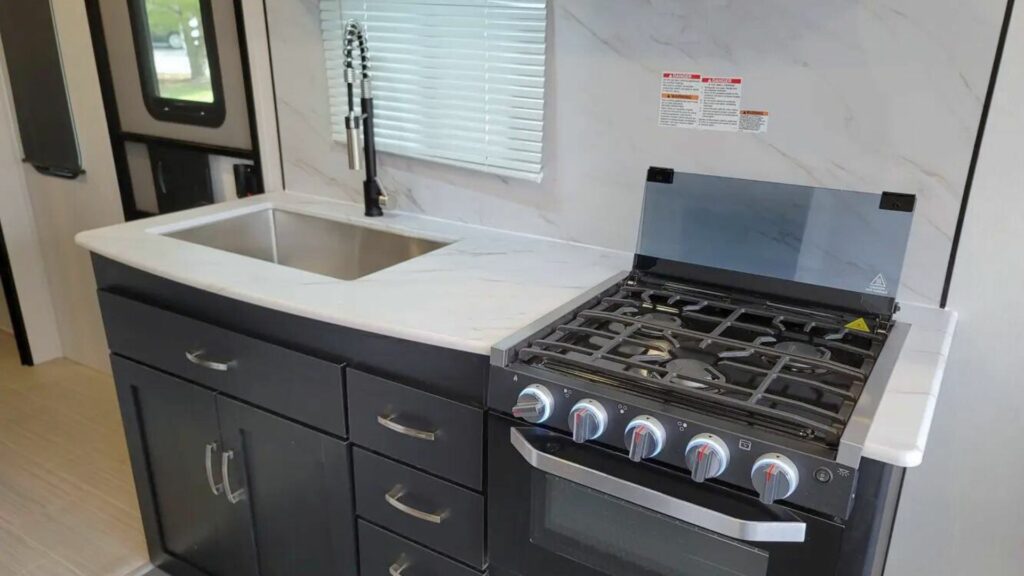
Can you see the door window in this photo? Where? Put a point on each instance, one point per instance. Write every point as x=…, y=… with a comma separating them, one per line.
x=175, y=43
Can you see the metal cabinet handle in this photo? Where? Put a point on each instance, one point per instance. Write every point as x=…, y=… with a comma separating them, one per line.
x=214, y=487
x=751, y=531
x=234, y=496
x=394, y=499
x=389, y=423
x=398, y=567
x=196, y=357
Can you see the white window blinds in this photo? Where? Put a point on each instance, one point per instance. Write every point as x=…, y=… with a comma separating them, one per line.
x=454, y=81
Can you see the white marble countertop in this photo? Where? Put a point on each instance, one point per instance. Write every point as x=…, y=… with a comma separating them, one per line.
x=465, y=296
x=899, y=431
x=473, y=293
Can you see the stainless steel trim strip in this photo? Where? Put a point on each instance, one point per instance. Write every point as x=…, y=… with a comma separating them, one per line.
x=214, y=487
x=235, y=496
x=397, y=568
x=750, y=531
x=500, y=351
x=855, y=436
x=389, y=423
x=196, y=357
x=394, y=498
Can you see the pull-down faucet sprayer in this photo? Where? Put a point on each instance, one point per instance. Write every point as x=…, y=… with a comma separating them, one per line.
x=373, y=194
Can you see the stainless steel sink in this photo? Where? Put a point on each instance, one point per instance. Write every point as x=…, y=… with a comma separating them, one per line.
x=327, y=247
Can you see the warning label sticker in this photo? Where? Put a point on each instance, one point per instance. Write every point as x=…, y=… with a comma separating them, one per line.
x=755, y=121
x=860, y=325
x=878, y=285
x=680, y=100
x=690, y=100
x=720, y=104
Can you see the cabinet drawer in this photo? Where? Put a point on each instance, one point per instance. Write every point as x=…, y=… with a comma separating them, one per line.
x=427, y=431
x=430, y=511
x=298, y=386
x=381, y=553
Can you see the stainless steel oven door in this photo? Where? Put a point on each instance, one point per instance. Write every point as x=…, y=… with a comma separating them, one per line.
x=556, y=507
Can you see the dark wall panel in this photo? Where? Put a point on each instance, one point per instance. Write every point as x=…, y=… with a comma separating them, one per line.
x=37, y=84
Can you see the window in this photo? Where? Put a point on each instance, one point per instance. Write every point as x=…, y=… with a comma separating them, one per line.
x=177, y=52
x=454, y=81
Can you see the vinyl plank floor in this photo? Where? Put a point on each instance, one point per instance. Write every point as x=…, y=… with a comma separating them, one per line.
x=67, y=499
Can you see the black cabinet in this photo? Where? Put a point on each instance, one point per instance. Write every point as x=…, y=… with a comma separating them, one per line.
x=294, y=486
x=230, y=490
x=173, y=435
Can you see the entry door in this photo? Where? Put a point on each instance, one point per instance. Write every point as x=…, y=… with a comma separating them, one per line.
x=175, y=77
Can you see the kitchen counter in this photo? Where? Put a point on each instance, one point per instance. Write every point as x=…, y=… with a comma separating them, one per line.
x=899, y=431
x=465, y=296
x=473, y=293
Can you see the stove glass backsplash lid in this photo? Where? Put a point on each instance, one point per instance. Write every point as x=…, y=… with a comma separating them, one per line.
x=837, y=248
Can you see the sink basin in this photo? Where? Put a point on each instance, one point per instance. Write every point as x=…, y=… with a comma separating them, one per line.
x=336, y=249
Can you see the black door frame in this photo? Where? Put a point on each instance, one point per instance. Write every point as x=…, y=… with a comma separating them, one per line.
x=119, y=137
x=13, y=304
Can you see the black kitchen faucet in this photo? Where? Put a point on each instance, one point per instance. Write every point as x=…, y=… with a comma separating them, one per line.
x=373, y=195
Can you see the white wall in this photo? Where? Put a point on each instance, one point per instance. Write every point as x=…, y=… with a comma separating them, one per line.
x=20, y=234
x=61, y=208
x=879, y=95
x=962, y=512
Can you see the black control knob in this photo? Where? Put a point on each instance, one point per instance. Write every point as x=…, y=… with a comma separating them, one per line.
x=535, y=404
x=645, y=438
x=707, y=456
x=775, y=477
x=587, y=420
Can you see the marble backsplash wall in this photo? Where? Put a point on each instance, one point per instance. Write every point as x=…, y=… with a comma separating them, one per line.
x=867, y=95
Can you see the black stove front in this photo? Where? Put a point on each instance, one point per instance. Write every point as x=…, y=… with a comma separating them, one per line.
x=791, y=370
x=558, y=508
x=706, y=414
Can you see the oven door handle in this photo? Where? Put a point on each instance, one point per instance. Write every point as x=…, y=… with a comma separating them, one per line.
x=747, y=530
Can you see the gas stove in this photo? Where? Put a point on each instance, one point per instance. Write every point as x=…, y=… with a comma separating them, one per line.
x=750, y=345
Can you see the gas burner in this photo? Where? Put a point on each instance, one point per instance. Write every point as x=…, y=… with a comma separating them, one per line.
x=662, y=319
x=693, y=373
x=795, y=350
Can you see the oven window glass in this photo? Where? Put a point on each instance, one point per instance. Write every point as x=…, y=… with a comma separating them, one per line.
x=620, y=539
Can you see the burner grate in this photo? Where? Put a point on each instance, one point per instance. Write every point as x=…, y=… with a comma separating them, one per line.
x=787, y=369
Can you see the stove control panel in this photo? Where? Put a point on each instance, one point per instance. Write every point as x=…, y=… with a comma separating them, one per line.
x=707, y=456
x=645, y=438
x=534, y=404
x=588, y=420
x=701, y=445
x=775, y=477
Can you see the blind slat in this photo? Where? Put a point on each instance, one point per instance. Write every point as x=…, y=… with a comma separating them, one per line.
x=455, y=81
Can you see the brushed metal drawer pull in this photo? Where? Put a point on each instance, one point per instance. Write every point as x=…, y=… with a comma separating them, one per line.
x=235, y=496
x=394, y=499
x=398, y=567
x=389, y=423
x=196, y=357
x=214, y=487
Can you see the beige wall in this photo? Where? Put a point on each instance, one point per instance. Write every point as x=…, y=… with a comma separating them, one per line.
x=61, y=208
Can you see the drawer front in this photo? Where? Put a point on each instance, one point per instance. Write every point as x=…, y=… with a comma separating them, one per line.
x=301, y=387
x=381, y=553
x=425, y=509
x=427, y=431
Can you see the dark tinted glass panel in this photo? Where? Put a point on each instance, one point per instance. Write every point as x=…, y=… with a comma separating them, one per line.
x=621, y=539
x=834, y=238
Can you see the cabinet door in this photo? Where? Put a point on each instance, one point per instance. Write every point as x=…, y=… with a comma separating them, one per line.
x=292, y=486
x=174, y=442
